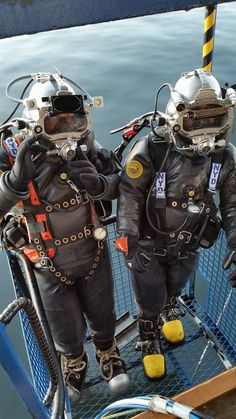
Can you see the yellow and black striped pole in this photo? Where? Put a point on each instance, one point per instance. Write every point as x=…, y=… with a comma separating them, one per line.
x=209, y=32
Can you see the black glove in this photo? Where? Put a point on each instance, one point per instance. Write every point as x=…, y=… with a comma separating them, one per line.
x=25, y=166
x=230, y=259
x=86, y=176
x=137, y=259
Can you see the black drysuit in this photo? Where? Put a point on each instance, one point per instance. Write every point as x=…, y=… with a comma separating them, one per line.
x=78, y=257
x=163, y=263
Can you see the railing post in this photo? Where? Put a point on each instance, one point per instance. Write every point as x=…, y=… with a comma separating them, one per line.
x=209, y=33
x=19, y=378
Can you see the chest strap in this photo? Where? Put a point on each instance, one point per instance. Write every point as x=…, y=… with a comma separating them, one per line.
x=38, y=229
x=39, y=254
x=162, y=201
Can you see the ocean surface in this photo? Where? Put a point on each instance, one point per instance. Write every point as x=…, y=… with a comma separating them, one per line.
x=125, y=62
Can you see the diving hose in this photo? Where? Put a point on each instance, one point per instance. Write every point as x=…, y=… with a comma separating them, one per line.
x=212, y=339
x=157, y=404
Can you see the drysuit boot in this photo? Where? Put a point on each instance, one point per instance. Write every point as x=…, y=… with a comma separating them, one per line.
x=152, y=357
x=172, y=328
x=112, y=369
x=74, y=372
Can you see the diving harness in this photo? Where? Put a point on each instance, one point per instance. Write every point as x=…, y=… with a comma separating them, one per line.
x=66, y=143
x=201, y=145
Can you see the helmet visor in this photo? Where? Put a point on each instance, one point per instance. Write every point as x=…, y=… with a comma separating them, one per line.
x=65, y=123
x=193, y=124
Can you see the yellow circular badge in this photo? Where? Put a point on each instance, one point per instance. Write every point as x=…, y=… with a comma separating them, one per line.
x=134, y=169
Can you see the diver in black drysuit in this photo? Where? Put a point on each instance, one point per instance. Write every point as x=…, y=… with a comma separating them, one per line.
x=165, y=213
x=76, y=251
x=63, y=203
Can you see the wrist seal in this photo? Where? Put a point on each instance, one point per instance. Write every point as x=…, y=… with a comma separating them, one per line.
x=9, y=192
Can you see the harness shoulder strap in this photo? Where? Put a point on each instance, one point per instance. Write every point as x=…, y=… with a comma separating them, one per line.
x=217, y=161
x=158, y=153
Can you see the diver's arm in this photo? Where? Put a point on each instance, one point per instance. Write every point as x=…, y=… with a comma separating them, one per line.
x=111, y=187
x=228, y=198
x=8, y=196
x=135, y=180
x=109, y=170
x=228, y=211
x=14, y=182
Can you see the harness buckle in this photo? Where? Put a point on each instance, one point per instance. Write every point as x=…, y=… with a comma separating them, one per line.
x=77, y=197
x=183, y=255
x=87, y=231
x=202, y=207
x=17, y=212
x=84, y=199
x=159, y=252
x=45, y=262
x=184, y=236
x=100, y=244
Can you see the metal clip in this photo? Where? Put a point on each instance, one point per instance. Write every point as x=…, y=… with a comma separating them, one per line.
x=202, y=207
x=72, y=185
x=81, y=196
x=100, y=244
x=84, y=199
x=77, y=197
x=87, y=231
x=159, y=252
x=184, y=236
x=27, y=229
x=46, y=265
x=183, y=255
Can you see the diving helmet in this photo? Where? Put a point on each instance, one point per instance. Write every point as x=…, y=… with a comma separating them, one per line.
x=198, y=114
x=53, y=107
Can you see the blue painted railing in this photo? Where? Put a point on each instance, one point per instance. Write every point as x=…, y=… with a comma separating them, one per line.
x=19, y=17
x=16, y=372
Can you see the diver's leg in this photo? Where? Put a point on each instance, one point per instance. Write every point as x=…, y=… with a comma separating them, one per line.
x=150, y=294
x=68, y=327
x=180, y=270
x=97, y=295
x=64, y=313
